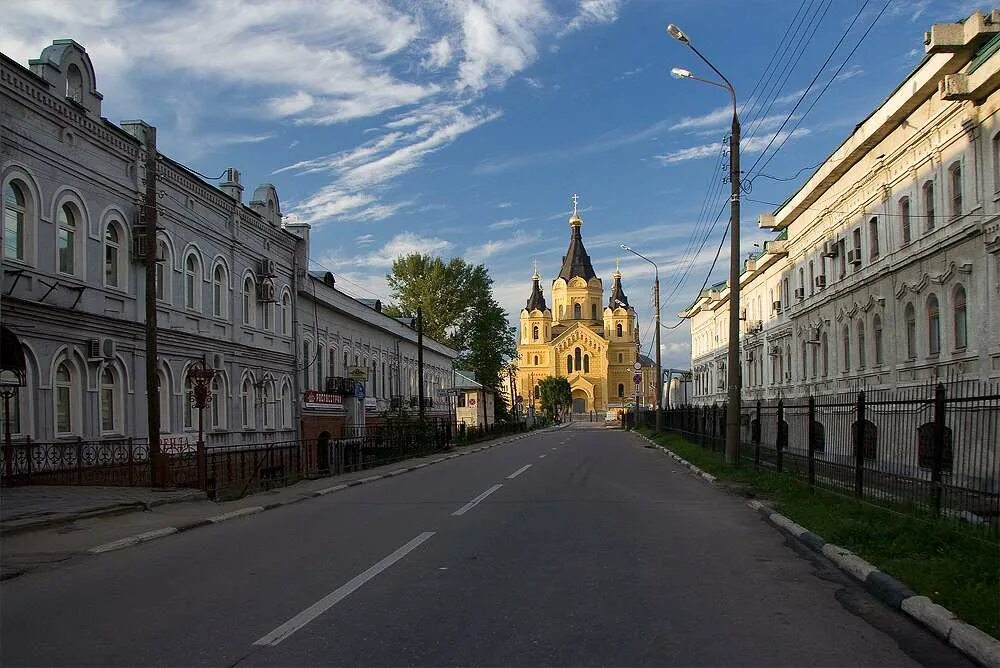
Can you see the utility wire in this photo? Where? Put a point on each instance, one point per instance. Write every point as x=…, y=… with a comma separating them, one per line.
x=832, y=79
x=718, y=251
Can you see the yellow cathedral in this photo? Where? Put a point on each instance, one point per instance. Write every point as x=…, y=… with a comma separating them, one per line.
x=590, y=343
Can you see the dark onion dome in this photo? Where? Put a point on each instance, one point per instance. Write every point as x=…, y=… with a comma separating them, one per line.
x=617, y=293
x=537, y=299
x=576, y=262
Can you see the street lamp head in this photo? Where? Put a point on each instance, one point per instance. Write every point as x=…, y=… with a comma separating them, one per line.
x=677, y=34
x=680, y=73
x=624, y=247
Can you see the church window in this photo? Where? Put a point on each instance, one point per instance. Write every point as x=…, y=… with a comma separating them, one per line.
x=621, y=358
x=621, y=390
x=569, y=364
x=534, y=333
x=576, y=361
x=536, y=360
x=618, y=329
x=577, y=311
x=586, y=363
x=593, y=311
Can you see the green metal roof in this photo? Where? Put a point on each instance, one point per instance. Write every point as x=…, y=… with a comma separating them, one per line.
x=984, y=53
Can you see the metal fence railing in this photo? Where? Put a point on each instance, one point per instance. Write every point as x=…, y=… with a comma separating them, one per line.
x=929, y=449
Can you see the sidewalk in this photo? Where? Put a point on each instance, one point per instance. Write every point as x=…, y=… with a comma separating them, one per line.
x=76, y=537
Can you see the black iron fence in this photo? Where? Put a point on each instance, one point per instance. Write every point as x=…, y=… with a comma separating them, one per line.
x=930, y=449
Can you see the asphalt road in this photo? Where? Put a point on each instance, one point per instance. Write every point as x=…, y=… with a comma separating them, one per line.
x=574, y=547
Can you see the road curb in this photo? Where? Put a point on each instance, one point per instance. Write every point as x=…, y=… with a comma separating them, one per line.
x=966, y=638
x=155, y=534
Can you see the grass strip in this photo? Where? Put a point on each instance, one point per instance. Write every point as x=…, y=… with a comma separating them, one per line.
x=953, y=565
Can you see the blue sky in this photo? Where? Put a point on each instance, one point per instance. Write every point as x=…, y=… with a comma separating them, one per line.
x=462, y=127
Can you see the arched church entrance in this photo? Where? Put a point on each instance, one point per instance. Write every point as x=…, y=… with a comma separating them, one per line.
x=579, y=401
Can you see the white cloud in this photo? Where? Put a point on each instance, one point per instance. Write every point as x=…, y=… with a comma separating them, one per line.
x=498, y=40
x=533, y=82
x=295, y=142
x=290, y=105
x=365, y=239
x=503, y=205
x=749, y=145
x=507, y=223
x=593, y=12
x=404, y=243
x=520, y=238
x=439, y=55
x=849, y=73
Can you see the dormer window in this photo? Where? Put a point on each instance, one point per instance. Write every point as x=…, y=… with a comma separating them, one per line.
x=74, y=84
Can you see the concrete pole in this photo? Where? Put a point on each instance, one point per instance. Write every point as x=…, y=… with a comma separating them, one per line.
x=659, y=368
x=152, y=387
x=735, y=380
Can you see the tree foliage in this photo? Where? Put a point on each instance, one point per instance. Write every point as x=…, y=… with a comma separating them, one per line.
x=555, y=393
x=459, y=310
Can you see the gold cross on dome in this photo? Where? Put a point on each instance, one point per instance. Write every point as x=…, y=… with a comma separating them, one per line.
x=575, y=200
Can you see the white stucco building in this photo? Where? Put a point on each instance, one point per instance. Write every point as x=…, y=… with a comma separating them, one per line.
x=884, y=270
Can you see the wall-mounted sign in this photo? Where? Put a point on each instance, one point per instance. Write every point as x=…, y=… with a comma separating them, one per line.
x=371, y=402
x=357, y=372
x=637, y=378
x=315, y=399
x=359, y=391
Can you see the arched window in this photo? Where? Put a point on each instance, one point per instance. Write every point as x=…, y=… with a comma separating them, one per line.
x=267, y=401
x=249, y=296
x=218, y=403
x=861, y=345
x=925, y=448
x=904, y=219
x=320, y=385
x=593, y=311
x=111, y=413
x=220, y=293
x=66, y=239
x=266, y=307
x=621, y=358
x=375, y=379
x=955, y=177
x=562, y=311
x=869, y=439
x=928, y=191
x=66, y=387
x=788, y=356
x=74, y=83
x=534, y=332
x=877, y=332
x=192, y=282
x=189, y=412
x=618, y=329
x=577, y=311
x=163, y=265
x=247, y=404
x=163, y=389
x=286, y=406
x=586, y=363
x=961, y=329
x=910, y=321
x=804, y=372
x=815, y=359
x=576, y=359
x=933, y=325
x=569, y=364
x=846, y=337
x=825, y=345
x=621, y=390
x=114, y=265
x=286, y=314
x=536, y=360
x=15, y=221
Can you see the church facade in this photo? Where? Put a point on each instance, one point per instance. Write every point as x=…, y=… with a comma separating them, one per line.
x=591, y=343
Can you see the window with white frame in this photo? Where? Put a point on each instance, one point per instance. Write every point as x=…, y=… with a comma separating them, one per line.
x=933, y=325
x=247, y=404
x=286, y=314
x=111, y=414
x=16, y=221
x=67, y=238
x=220, y=290
x=825, y=345
x=873, y=249
x=286, y=406
x=163, y=264
x=877, y=335
x=928, y=192
x=846, y=360
x=163, y=389
x=904, y=220
x=267, y=400
x=189, y=411
x=66, y=387
x=910, y=325
x=249, y=297
x=955, y=178
x=192, y=282
x=114, y=256
x=218, y=403
x=961, y=325
x=861, y=345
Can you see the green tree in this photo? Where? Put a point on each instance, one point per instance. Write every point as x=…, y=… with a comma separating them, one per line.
x=555, y=393
x=459, y=310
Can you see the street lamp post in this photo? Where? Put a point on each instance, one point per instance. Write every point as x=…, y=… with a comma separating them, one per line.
x=10, y=384
x=201, y=376
x=659, y=371
x=734, y=381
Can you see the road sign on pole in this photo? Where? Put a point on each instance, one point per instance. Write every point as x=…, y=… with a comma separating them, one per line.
x=637, y=366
